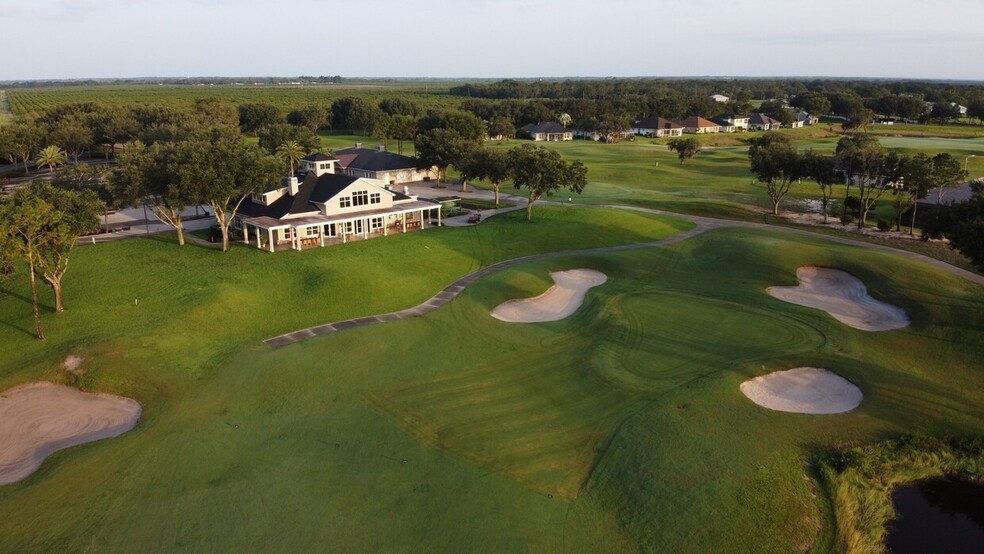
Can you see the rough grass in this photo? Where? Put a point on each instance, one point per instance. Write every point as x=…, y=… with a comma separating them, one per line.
x=620, y=428
x=861, y=480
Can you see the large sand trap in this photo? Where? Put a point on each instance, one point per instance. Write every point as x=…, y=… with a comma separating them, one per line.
x=803, y=390
x=39, y=418
x=843, y=296
x=560, y=300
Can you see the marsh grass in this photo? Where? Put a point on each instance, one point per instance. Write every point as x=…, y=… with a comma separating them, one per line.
x=861, y=480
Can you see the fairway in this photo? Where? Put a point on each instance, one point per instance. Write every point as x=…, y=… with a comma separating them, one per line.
x=618, y=428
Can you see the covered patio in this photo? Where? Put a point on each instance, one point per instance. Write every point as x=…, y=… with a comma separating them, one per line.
x=274, y=234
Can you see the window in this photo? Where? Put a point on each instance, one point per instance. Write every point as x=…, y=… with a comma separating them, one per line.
x=287, y=233
x=311, y=231
x=360, y=198
x=345, y=202
x=348, y=227
x=374, y=198
x=375, y=223
x=324, y=166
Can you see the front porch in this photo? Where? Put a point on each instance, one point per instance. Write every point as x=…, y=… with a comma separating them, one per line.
x=275, y=235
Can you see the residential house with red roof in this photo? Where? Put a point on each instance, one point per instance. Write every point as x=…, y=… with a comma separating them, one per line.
x=656, y=127
x=699, y=125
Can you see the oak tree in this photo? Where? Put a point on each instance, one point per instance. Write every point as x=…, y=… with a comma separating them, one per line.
x=542, y=171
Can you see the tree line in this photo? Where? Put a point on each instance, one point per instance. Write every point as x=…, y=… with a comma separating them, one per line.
x=863, y=165
x=532, y=101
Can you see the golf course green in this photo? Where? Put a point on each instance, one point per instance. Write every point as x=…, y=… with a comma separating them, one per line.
x=619, y=428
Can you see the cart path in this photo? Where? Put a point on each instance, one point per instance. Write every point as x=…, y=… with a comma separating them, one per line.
x=701, y=225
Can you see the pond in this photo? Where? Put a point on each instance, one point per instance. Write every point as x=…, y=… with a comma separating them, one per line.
x=937, y=516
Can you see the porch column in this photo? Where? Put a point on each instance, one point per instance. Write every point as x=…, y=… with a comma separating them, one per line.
x=270, y=237
x=321, y=234
x=344, y=234
x=404, y=219
x=365, y=228
x=258, y=243
x=439, y=217
x=245, y=234
x=386, y=227
x=295, y=240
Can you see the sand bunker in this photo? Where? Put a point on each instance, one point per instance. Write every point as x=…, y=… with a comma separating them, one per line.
x=803, y=390
x=843, y=296
x=560, y=300
x=40, y=418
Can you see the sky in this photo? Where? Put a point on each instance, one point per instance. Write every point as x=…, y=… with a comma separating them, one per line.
x=72, y=39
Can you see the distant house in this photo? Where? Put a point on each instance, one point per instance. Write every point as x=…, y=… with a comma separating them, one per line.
x=805, y=118
x=699, y=125
x=324, y=207
x=388, y=167
x=548, y=131
x=730, y=122
x=961, y=109
x=762, y=122
x=596, y=135
x=656, y=127
x=720, y=98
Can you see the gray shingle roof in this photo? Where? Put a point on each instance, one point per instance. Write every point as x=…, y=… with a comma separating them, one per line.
x=368, y=159
x=547, y=127
x=312, y=189
x=762, y=119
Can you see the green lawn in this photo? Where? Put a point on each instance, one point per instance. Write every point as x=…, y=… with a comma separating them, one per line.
x=619, y=428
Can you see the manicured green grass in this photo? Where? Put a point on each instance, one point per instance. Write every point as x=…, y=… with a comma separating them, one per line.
x=717, y=183
x=619, y=428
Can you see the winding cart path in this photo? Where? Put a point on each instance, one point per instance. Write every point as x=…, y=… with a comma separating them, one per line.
x=702, y=224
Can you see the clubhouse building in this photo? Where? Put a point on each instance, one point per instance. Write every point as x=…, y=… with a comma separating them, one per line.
x=319, y=207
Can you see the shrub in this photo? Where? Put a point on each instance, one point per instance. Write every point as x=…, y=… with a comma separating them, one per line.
x=884, y=225
x=847, y=219
x=852, y=203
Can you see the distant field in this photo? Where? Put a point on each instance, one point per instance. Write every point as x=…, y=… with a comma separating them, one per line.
x=5, y=114
x=31, y=100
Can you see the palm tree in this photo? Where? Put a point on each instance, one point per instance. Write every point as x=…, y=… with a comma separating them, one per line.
x=51, y=156
x=291, y=152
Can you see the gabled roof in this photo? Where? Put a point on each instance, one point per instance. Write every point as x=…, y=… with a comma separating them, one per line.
x=762, y=119
x=655, y=123
x=368, y=159
x=723, y=120
x=728, y=117
x=312, y=189
x=802, y=115
x=546, y=127
x=697, y=122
